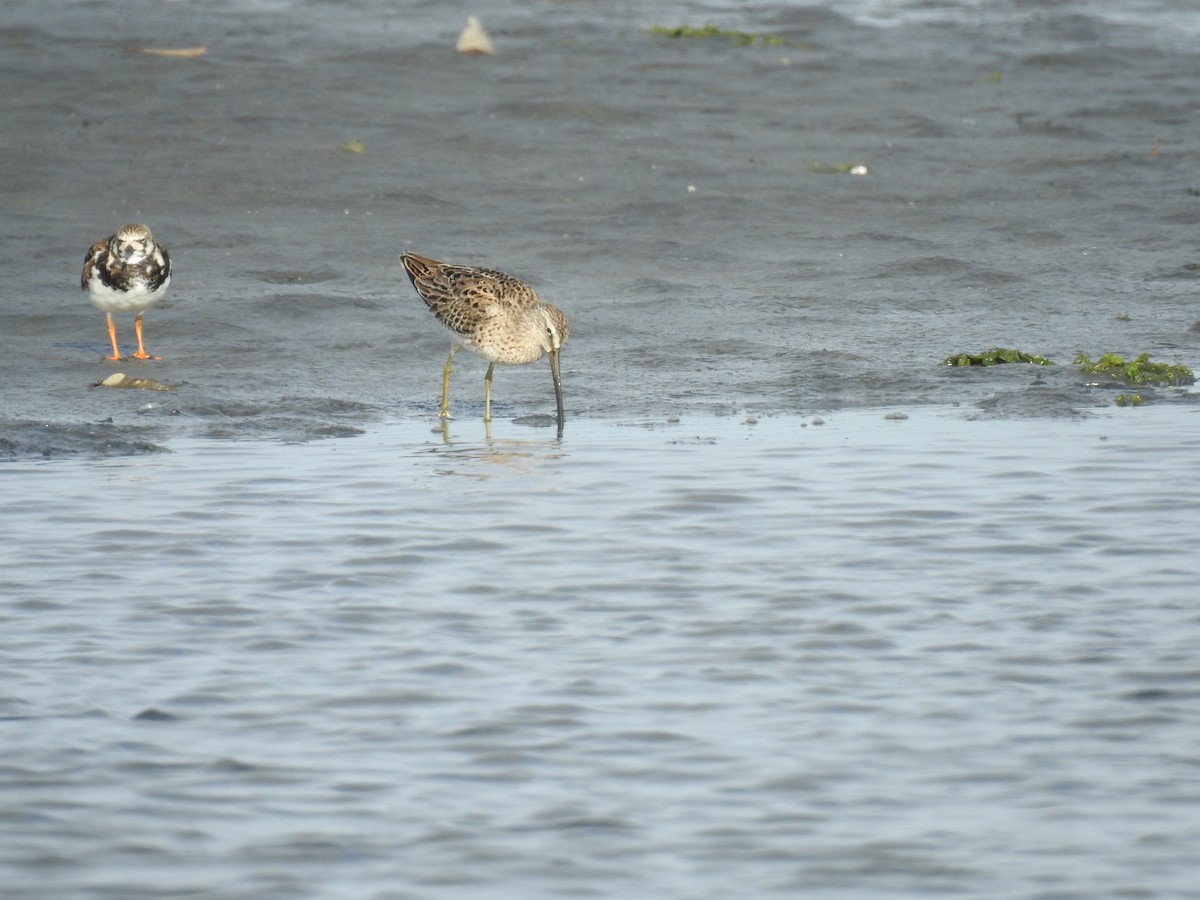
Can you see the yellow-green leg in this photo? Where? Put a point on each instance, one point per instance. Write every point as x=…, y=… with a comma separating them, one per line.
x=444, y=411
x=487, y=393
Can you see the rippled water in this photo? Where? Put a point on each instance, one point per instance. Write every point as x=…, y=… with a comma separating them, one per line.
x=707, y=658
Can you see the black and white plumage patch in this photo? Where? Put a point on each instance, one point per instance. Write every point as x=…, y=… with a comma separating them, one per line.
x=127, y=272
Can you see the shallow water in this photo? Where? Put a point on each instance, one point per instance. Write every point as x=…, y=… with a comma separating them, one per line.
x=269, y=634
x=697, y=659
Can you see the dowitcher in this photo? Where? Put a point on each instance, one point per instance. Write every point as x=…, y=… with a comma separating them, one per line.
x=498, y=316
x=126, y=273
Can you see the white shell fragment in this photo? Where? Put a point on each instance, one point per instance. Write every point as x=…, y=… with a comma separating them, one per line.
x=859, y=170
x=474, y=40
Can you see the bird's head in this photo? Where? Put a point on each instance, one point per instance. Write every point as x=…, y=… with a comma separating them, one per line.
x=132, y=244
x=554, y=329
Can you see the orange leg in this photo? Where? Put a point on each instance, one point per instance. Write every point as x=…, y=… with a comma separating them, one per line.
x=141, y=351
x=112, y=336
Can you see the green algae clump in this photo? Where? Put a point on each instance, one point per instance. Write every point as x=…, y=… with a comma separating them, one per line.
x=1137, y=371
x=994, y=357
x=737, y=38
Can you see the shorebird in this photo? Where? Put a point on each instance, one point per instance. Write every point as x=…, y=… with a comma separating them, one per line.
x=498, y=316
x=126, y=272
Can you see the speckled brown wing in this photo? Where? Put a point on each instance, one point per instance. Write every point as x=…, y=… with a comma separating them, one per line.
x=94, y=256
x=463, y=297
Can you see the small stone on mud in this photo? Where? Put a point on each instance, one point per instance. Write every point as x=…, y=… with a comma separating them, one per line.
x=474, y=41
x=121, y=380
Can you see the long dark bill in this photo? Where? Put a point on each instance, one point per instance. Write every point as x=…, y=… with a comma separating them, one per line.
x=553, y=356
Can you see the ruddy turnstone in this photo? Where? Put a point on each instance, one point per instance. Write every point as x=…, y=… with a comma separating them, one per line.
x=496, y=315
x=127, y=273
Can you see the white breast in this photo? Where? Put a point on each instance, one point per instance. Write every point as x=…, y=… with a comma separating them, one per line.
x=138, y=298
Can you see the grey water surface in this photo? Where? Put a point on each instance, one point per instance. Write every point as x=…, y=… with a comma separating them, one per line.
x=790, y=609
x=698, y=659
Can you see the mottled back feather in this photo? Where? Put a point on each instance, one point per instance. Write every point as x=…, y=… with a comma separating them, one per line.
x=496, y=315
x=107, y=261
x=461, y=297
